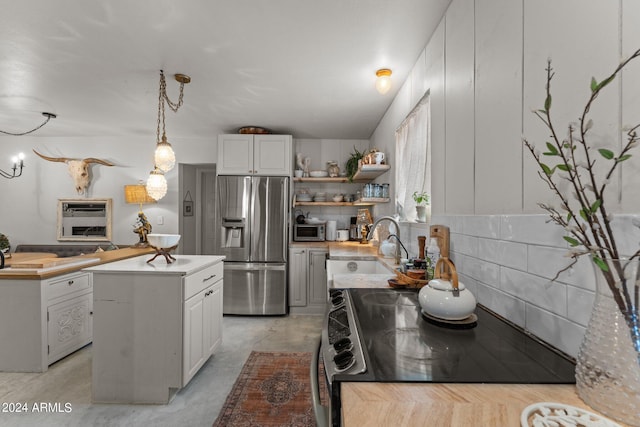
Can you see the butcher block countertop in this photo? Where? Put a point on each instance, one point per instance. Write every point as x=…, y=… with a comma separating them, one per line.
x=68, y=265
x=447, y=405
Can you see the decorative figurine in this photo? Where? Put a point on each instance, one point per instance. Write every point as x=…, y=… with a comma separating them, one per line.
x=142, y=228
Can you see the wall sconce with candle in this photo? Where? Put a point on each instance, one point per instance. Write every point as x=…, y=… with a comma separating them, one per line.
x=18, y=164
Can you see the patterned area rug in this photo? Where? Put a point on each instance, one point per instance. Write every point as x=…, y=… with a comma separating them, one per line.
x=273, y=389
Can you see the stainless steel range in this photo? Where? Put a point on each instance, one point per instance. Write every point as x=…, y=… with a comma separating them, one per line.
x=392, y=341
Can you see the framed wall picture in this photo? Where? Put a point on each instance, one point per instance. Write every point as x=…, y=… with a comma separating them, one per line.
x=187, y=208
x=84, y=219
x=187, y=205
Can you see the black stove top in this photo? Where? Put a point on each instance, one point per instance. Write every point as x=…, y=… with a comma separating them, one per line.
x=401, y=345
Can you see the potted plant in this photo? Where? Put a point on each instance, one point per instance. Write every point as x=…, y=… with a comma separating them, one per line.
x=5, y=246
x=422, y=200
x=351, y=166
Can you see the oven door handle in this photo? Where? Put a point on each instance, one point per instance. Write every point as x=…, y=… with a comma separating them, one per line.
x=321, y=412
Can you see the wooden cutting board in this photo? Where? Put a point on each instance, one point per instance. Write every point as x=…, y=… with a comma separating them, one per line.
x=45, y=262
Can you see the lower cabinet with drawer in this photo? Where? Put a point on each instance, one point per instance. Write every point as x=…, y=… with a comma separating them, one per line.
x=155, y=325
x=44, y=320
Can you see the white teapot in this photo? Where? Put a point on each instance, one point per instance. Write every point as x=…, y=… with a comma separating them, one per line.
x=446, y=299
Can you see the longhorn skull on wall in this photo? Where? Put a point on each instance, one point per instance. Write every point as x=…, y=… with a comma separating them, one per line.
x=78, y=169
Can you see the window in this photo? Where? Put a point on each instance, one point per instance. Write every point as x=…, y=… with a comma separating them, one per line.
x=413, y=157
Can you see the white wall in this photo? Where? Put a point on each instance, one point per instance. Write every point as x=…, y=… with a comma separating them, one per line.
x=28, y=204
x=484, y=68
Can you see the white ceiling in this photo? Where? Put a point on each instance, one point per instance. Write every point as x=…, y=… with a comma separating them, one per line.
x=305, y=67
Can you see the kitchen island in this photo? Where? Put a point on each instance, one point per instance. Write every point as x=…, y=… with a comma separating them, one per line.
x=155, y=325
x=46, y=309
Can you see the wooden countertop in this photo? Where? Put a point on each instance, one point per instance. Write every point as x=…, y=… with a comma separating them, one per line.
x=447, y=405
x=102, y=258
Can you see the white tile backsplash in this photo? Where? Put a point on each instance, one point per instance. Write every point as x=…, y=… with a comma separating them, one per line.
x=482, y=226
x=535, y=290
x=556, y=330
x=531, y=229
x=502, y=252
x=464, y=244
x=508, y=261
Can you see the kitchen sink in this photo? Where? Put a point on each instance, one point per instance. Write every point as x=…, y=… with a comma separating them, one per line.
x=361, y=271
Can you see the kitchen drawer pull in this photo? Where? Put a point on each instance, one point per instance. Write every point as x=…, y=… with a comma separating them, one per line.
x=209, y=278
x=70, y=282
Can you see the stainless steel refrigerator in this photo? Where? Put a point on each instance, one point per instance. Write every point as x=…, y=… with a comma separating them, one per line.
x=252, y=223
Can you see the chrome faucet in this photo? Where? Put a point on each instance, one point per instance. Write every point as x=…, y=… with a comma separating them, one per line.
x=388, y=218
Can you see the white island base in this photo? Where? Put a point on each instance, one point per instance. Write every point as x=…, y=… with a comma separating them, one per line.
x=154, y=326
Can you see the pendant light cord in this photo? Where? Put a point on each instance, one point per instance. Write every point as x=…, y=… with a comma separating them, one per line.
x=48, y=116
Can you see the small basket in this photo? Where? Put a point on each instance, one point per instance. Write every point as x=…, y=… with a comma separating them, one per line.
x=404, y=281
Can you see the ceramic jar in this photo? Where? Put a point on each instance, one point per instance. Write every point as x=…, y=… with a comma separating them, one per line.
x=333, y=169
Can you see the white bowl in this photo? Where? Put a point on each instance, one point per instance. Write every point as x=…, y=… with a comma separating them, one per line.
x=314, y=220
x=163, y=241
x=318, y=174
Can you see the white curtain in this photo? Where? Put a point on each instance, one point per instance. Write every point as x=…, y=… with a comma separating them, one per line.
x=413, y=158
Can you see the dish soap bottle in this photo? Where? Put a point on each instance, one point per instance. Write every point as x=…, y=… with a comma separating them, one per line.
x=432, y=256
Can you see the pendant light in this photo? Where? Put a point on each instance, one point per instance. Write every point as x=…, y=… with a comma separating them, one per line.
x=156, y=184
x=164, y=157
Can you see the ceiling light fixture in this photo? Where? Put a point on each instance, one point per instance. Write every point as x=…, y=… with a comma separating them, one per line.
x=48, y=116
x=156, y=184
x=18, y=162
x=383, y=83
x=164, y=157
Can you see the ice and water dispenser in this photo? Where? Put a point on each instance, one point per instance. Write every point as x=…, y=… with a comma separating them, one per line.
x=233, y=230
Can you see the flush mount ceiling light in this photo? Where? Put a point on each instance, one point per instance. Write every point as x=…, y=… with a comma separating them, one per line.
x=164, y=157
x=383, y=83
x=48, y=116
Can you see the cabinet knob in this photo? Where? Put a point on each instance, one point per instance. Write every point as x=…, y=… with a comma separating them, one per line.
x=70, y=282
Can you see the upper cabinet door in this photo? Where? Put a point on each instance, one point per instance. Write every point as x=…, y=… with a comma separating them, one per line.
x=272, y=154
x=255, y=155
x=235, y=154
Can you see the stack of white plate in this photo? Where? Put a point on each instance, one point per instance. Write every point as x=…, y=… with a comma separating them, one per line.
x=304, y=197
x=318, y=174
x=320, y=197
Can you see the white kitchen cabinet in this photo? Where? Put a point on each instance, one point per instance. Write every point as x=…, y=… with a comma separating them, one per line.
x=307, y=279
x=69, y=326
x=298, y=262
x=43, y=320
x=317, y=287
x=155, y=325
x=242, y=154
x=202, y=328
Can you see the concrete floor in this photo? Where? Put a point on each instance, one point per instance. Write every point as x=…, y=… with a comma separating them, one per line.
x=69, y=381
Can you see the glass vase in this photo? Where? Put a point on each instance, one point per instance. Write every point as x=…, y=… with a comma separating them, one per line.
x=608, y=363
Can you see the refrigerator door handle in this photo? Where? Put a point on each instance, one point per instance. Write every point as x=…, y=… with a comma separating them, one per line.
x=285, y=208
x=249, y=267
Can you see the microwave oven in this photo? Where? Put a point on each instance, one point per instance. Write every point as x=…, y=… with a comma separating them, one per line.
x=309, y=232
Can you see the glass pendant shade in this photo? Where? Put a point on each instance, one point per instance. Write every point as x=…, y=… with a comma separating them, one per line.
x=156, y=184
x=165, y=158
x=383, y=82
